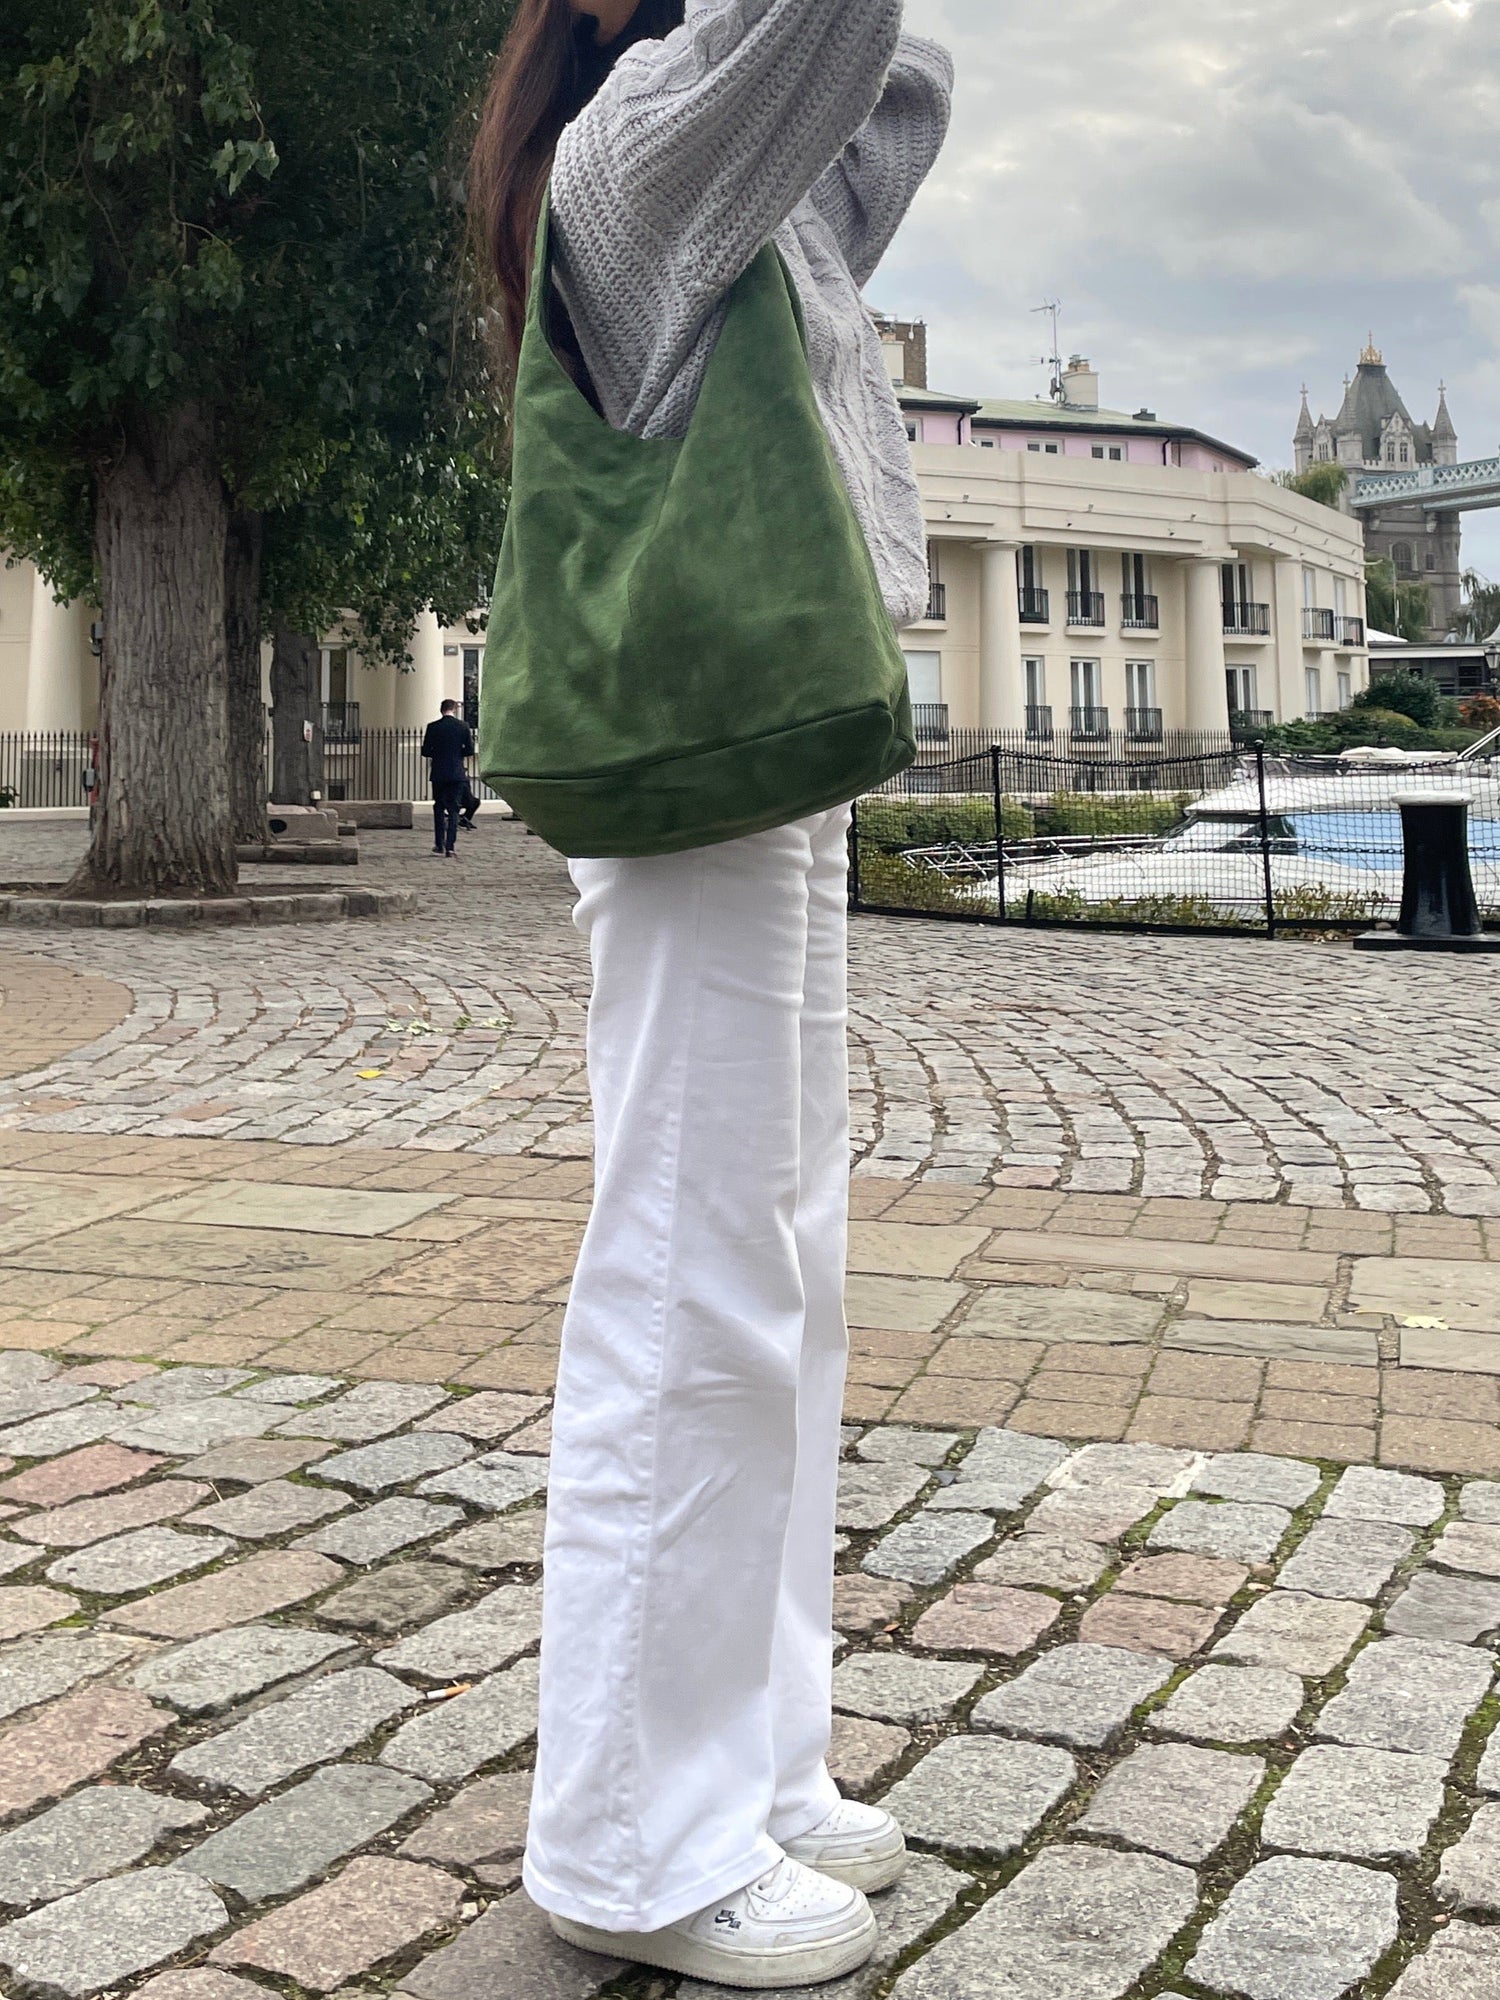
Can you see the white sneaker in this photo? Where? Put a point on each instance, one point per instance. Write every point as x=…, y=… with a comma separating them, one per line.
x=791, y=1928
x=860, y=1845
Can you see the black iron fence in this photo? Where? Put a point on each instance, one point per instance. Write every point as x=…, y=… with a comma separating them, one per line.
x=1218, y=839
x=45, y=768
x=380, y=764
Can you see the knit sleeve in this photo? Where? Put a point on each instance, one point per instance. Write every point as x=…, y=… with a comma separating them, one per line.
x=865, y=194
x=693, y=154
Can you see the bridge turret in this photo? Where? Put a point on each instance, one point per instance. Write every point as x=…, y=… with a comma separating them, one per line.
x=1444, y=436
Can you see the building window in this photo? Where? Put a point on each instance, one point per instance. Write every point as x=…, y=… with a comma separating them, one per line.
x=1033, y=444
x=1036, y=683
x=914, y=430
x=1340, y=596
x=1346, y=691
x=924, y=678
x=473, y=659
x=1314, y=692
x=1085, y=682
x=1405, y=455
x=1401, y=557
x=1241, y=688
x=986, y=444
x=1309, y=589
x=1052, y=450
x=1028, y=568
x=336, y=675
x=1140, y=684
x=1116, y=452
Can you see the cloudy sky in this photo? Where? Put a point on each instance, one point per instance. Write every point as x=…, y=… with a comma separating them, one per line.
x=1226, y=196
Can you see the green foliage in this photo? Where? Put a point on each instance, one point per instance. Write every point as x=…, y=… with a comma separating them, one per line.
x=1479, y=614
x=1313, y=904
x=1402, y=609
x=887, y=882
x=893, y=824
x=1070, y=906
x=1402, y=693
x=256, y=206
x=1110, y=813
x=1324, y=482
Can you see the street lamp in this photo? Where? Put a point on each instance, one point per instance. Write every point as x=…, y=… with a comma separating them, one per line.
x=1492, y=656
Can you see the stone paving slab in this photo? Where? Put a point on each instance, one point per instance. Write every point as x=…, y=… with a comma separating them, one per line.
x=110, y=1932
x=1298, y=1930
x=1076, y=1924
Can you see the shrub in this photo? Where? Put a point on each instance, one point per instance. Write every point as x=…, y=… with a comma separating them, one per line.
x=887, y=881
x=1403, y=693
x=1110, y=813
x=893, y=824
x=1072, y=906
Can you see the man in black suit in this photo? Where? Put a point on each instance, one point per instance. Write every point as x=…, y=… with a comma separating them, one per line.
x=448, y=743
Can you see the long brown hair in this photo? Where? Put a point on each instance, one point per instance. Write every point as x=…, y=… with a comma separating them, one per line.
x=549, y=67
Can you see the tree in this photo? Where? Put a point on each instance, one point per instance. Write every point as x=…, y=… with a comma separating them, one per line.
x=230, y=241
x=1479, y=614
x=1324, y=482
x=1402, y=609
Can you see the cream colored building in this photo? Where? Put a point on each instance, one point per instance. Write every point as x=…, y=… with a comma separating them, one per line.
x=1097, y=574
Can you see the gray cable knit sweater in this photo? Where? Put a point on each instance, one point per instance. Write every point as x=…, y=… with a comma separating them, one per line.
x=813, y=121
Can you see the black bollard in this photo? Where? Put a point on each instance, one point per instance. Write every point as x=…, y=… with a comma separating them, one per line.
x=1439, y=910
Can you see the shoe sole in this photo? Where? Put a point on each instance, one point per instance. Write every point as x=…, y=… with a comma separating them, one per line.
x=671, y=1951
x=874, y=1870
x=871, y=1872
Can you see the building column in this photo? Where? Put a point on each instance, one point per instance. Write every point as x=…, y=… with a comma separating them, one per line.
x=419, y=691
x=1002, y=689
x=62, y=681
x=1205, y=693
x=1288, y=698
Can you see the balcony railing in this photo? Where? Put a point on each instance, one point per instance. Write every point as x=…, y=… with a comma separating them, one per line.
x=1350, y=631
x=1085, y=607
x=1036, y=607
x=1247, y=621
x=1039, y=723
x=1140, y=612
x=1316, y=623
x=340, y=722
x=930, y=719
x=1090, y=724
x=1143, y=724
x=937, y=603
x=1246, y=724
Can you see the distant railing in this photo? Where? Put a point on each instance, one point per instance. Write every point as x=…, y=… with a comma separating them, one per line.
x=340, y=722
x=1085, y=607
x=1247, y=621
x=1316, y=623
x=1246, y=724
x=1090, y=724
x=930, y=719
x=44, y=768
x=1144, y=724
x=1140, y=612
x=1036, y=607
x=937, y=603
x=1039, y=723
x=1350, y=631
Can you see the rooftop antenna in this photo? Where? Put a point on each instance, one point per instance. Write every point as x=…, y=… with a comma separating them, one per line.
x=1054, y=359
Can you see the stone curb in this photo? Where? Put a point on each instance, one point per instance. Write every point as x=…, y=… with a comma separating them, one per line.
x=180, y=913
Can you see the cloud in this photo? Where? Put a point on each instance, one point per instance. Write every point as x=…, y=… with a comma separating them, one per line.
x=1225, y=197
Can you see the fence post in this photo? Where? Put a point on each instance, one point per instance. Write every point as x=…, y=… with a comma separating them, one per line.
x=854, y=855
x=999, y=831
x=1265, y=839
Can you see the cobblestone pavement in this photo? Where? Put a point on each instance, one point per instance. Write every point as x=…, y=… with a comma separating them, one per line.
x=1161, y=1067
x=1158, y=1722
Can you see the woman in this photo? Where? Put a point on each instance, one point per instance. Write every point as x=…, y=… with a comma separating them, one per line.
x=683, y=1815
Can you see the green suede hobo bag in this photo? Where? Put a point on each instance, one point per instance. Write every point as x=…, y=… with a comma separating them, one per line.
x=687, y=641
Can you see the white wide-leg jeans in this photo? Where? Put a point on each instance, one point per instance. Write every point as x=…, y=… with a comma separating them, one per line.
x=687, y=1627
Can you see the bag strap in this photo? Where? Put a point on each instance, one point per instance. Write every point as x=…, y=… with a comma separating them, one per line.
x=541, y=256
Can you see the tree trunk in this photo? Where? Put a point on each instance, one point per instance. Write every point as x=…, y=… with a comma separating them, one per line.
x=163, y=823
x=296, y=756
x=247, y=717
